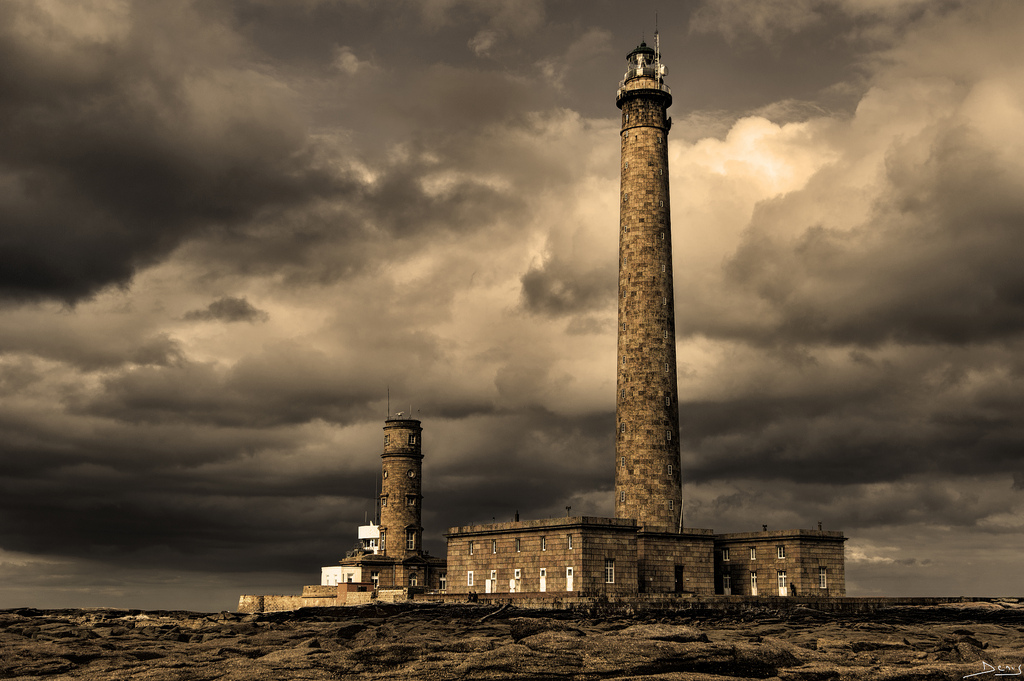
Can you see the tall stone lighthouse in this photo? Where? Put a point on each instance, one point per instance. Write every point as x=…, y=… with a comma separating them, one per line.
x=647, y=475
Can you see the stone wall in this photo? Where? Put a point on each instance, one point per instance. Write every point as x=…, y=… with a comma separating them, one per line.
x=677, y=563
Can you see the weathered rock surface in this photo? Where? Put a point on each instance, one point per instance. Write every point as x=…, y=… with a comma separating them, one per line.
x=476, y=642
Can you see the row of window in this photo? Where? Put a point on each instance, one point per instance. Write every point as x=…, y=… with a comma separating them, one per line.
x=668, y=398
x=671, y=502
x=517, y=575
x=410, y=500
x=668, y=433
x=622, y=462
x=625, y=199
x=411, y=539
x=387, y=439
x=781, y=581
x=780, y=553
x=519, y=545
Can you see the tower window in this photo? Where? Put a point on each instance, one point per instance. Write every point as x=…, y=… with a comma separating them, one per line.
x=609, y=571
x=410, y=501
x=471, y=553
x=668, y=401
x=410, y=540
x=569, y=545
x=412, y=439
x=383, y=501
x=780, y=552
x=622, y=427
x=494, y=546
x=518, y=548
x=627, y=120
x=662, y=204
x=668, y=435
x=622, y=496
x=387, y=440
x=753, y=553
x=469, y=578
x=663, y=236
x=625, y=197
x=822, y=577
x=725, y=555
x=627, y=162
x=623, y=462
x=623, y=359
x=661, y=171
x=664, y=267
x=666, y=367
x=671, y=504
x=622, y=393
x=543, y=543
x=670, y=469
x=664, y=301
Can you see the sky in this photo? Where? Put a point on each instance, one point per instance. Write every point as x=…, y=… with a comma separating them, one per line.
x=231, y=229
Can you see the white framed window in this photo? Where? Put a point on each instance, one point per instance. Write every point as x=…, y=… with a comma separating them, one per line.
x=387, y=439
x=543, y=543
x=471, y=548
x=494, y=576
x=725, y=555
x=518, y=574
x=726, y=584
x=609, y=571
x=414, y=580
x=375, y=578
x=668, y=401
x=383, y=501
x=569, y=537
x=410, y=540
x=664, y=301
x=668, y=435
x=622, y=427
x=442, y=581
x=518, y=545
x=662, y=205
x=663, y=236
x=412, y=439
x=753, y=583
x=822, y=577
x=469, y=578
x=780, y=552
x=410, y=501
x=753, y=553
x=782, y=582
x=494, y=546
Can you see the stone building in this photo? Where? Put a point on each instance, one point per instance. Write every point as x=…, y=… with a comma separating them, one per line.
x=645, y=548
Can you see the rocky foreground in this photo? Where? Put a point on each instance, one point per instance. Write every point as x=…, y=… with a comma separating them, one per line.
x=483, y=642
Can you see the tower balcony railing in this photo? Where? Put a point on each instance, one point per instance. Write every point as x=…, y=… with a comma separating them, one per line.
x=643, y=72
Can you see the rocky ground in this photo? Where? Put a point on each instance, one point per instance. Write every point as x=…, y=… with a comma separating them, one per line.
x=482, y=642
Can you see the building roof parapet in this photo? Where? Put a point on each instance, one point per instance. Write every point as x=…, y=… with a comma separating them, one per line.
x=833, y=535
x=545, y=524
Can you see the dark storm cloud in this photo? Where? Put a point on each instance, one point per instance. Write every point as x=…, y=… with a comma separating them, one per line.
x=117, y=143
x=229, y=309
x=938, y=261
x=556, y=288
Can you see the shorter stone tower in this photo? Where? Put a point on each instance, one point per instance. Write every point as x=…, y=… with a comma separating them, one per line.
x=401, y=533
